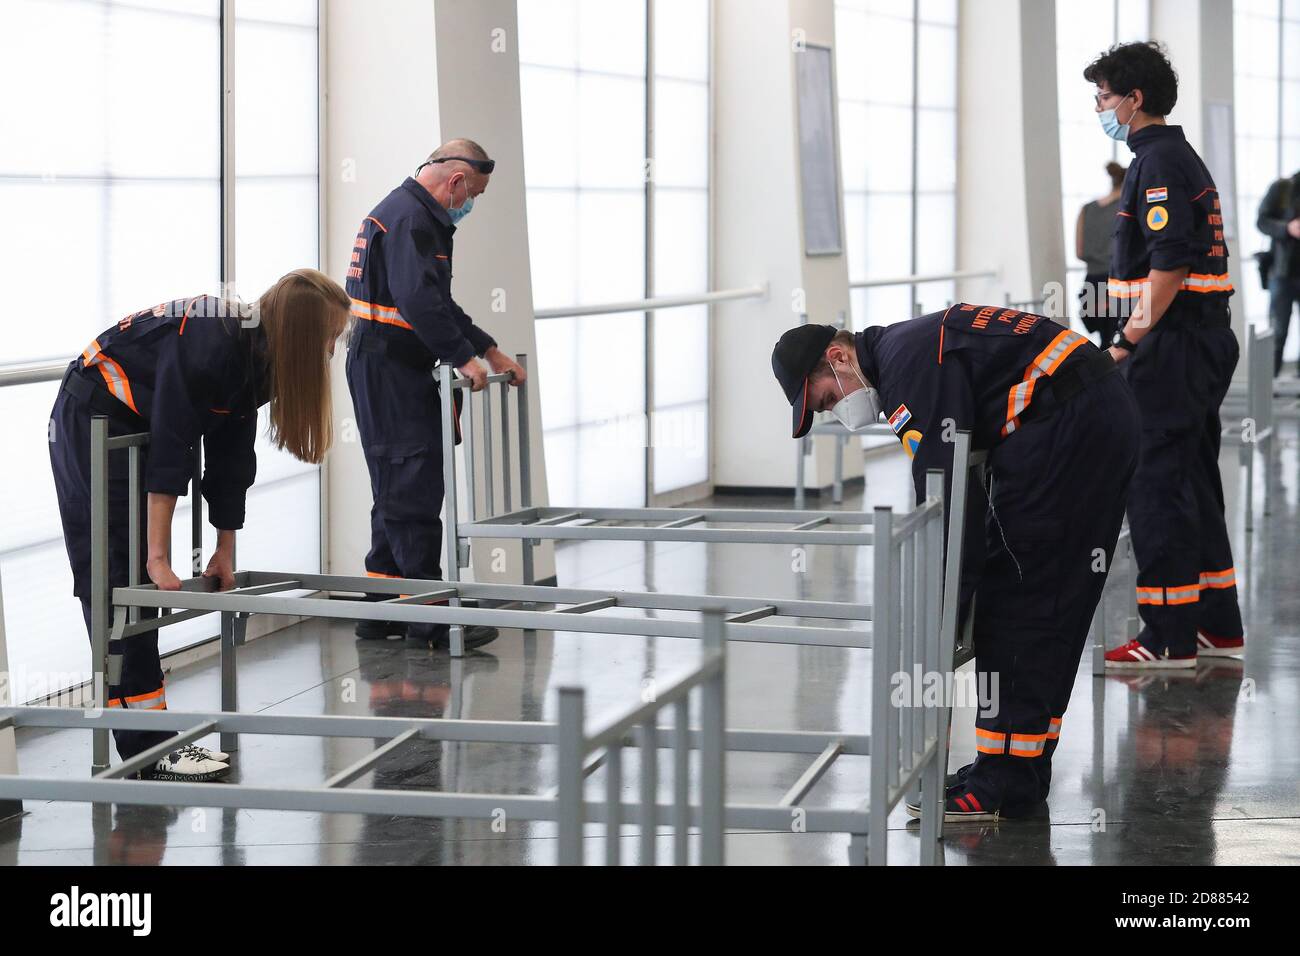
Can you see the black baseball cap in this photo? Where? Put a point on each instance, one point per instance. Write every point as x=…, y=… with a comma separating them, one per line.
x=797, y=353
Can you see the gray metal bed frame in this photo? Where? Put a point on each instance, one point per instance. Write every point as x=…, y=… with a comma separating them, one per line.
x=532, y=524
x=915, y=628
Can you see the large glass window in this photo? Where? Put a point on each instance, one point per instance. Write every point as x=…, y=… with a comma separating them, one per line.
x=110, y=183
x=618, y=211
x=1085, y=28
x=1266, y=78
x=898, y=150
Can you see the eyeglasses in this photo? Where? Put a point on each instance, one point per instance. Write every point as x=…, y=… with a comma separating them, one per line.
x=484, y=166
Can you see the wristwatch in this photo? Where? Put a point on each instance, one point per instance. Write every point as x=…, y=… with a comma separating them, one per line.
x=1122, y=343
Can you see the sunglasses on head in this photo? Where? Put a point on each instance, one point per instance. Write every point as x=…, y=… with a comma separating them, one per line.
x=484, y=166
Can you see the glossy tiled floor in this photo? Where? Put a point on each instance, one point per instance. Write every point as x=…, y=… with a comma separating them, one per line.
x=1197, y=768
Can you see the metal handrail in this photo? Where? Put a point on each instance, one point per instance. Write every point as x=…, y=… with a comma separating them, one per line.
x=921, y=279
x=29, y=374
x=658, y=302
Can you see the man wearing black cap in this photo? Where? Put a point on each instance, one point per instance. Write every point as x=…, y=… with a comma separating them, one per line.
x=1061, y=431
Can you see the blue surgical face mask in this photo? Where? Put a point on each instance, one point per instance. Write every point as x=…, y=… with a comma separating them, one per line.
x=1112, y=126
x=464, y=209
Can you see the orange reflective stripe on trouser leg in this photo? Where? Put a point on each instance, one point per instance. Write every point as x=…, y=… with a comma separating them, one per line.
x=1219, y=579
x=152, y=700
x=1028, y=745
x=990, y=741
x=1054, y=729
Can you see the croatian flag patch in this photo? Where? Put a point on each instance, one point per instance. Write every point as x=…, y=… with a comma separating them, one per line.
x=1159, y=194
x=900, y=418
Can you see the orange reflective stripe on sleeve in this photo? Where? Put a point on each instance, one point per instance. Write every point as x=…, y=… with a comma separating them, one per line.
x=1047, y=362
x=386, y=314
x=114, y=375
x=1127, y=288
x=1196, y=282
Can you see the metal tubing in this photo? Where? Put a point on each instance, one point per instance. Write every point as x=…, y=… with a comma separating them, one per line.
x=808, y=779
x=492, y=617
x=99, y=588
x=229, y=679
x=651, y=304
x=713, y=745
x=613, y=805
x=800, y=494
x=525, y=465
x=451, y=527
x=363, y=766
x=469, y=442
x=681, y=780
x=757, y=614
x=572, y=741
x=695, y=535
x=505, y=446
x=597, y=605
x=649, y=817
x=882, y=588
x=683, y=522
x=489, y=482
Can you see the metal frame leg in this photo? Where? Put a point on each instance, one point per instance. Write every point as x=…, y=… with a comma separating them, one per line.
x=99, y=759
x=233, y=627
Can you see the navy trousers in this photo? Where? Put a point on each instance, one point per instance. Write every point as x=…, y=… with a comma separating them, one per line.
x=141, y=684
x=399, y=422
x=1057, y=488
x=1186, y=580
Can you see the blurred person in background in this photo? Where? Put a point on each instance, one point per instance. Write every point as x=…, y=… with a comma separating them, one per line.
x=1279, y=218
x=1093, y=237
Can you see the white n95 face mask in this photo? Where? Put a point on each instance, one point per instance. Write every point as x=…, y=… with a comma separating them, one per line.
x=855, y=412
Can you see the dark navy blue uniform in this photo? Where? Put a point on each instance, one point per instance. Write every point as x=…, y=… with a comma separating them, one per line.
x=1061, y=433
x=1169, y=218
x=183, y=371
x=400, y=284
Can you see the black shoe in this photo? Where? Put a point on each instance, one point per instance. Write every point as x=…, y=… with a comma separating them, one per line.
x=379, y=630
x=956, y=779
x=439, y=637
x=960, y=805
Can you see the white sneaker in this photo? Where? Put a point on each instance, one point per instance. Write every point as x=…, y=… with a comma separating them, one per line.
x=218, y=755
x=188, y=764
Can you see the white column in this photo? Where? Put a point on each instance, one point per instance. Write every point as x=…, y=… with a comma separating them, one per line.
x=1009, y=171
x=402, y=77
x=478, y=93
x=759, y=237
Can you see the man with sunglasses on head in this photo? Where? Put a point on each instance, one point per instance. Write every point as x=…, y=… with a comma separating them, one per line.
x=406, y=321
x=1169, y=288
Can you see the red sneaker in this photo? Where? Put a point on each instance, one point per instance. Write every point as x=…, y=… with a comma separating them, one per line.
x=1207, y=645
x=1133, y=656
